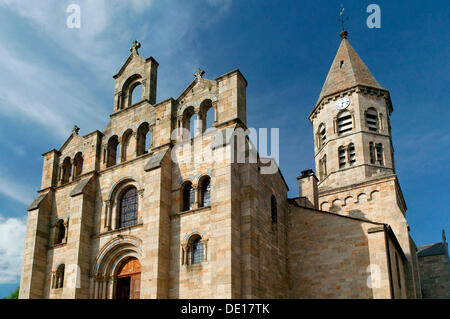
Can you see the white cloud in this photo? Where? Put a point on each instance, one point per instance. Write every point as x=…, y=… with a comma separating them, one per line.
x=15, y=191
x=12, y=242
x=56, y=100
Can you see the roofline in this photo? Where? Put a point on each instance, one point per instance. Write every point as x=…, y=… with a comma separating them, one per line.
x=292, y=201
x=386, y=227
x=128, y=61
x=226, y=75
x=338, y=93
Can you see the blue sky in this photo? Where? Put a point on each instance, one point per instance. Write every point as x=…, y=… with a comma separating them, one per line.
x=52, y=77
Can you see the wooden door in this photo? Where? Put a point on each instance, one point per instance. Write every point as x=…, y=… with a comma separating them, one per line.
x=135, y=286
x=123, y=288
x=129, y=280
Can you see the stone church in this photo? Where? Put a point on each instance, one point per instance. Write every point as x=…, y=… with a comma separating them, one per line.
x=136, y=210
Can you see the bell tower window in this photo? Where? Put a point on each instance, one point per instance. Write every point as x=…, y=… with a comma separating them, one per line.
x=322, y=133
x=344, y=122
x=379, y=149
x=351, y=154
x=372, y=120
x=341, y=157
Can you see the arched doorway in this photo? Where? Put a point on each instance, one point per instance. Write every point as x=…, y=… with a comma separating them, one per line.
x=128, y=279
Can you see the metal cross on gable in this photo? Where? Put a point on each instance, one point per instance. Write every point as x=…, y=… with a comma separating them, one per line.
x=199, y=73
x=75, y=129
x=135, y=46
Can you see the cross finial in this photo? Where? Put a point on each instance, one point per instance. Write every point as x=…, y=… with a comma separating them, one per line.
x=443, y=236
x=342, y=19
x=75, y=130
x=199, y=73
x=134, y=47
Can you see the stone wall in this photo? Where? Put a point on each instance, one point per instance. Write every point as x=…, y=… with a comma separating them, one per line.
x=331, y=255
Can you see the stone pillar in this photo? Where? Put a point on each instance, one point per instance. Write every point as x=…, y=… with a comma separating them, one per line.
x=110, y=293
x=107, y=214
x=96, y=288
x=105, y=284
x=91, y=287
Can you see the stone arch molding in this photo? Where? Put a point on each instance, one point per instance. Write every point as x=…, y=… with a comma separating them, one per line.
x=349, y=199
x=108, y=262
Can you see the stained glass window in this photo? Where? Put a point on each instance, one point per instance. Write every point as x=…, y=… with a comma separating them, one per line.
x=206, y=192
x=197, y=251
x=128, y=208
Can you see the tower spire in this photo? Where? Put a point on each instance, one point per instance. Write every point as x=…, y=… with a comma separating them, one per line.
x=346, y=71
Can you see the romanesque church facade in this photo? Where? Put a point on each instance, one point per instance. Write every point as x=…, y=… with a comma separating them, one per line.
x=136, y=210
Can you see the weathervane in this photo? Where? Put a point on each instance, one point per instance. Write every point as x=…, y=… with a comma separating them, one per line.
x=342, y=18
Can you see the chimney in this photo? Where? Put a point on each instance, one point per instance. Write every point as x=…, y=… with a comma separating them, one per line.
x=307, y=183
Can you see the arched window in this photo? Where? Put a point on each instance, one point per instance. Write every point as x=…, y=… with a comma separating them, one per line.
x=60, y=232
x=136, y=93
x=372, y=153
x=345, y=123
x=126, y=141
x=379, y=149
x=193, y=125
x=210, y=118
x=372, y=119
x=58, y=277
x=188, y=197
x=323, y=167
x=207, y=115
x=66, y=170
x=112, y=152
x=322, y=134
x=273, y=208
x=342, y=160
x=351, y=154
x=128, y=208
x=131, y=91
x=143, y=139
x=188, y=123
x=78, y=164
x=197, y=250
x=205, y=192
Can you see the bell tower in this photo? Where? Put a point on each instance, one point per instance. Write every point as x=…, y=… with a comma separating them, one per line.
x=352, y=134
x=354, y=155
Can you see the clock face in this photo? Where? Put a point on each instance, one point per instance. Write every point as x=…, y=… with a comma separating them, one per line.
x=343, y=103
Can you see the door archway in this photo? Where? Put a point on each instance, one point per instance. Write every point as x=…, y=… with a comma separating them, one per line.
x=128, y=279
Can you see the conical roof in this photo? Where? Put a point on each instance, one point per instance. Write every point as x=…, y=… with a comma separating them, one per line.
x=347, y=71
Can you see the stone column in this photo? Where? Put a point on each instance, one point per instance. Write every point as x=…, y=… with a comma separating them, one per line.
x=95, y=288
x=140, y=205
x=104, y=287
x=107, y=214
x=91, y=287
x=110, y=293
